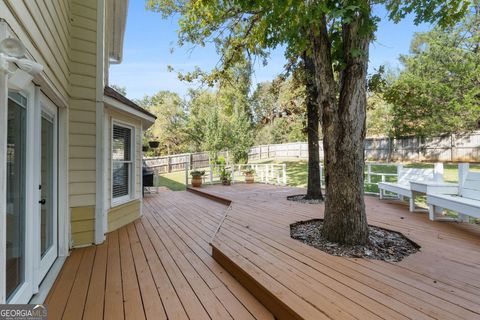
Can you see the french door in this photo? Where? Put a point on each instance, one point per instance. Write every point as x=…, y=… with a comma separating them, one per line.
x=31, y=193
x=48, y=187
x=19, y=259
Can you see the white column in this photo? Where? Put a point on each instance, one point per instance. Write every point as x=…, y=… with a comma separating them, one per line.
x=100, y=206
x=284, y=169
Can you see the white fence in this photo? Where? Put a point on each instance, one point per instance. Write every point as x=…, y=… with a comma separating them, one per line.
x=372, y=177
x=448, y=148
x=264, y=173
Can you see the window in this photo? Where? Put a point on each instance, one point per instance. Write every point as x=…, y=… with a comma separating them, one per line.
x=122, y=163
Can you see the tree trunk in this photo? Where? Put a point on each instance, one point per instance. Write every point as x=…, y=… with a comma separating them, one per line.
x=343, y=124
x=314, y=190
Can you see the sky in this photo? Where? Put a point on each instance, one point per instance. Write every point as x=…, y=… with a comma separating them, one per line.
x=149, y=41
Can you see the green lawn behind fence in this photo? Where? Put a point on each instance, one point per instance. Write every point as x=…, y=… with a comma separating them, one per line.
x=297, y=175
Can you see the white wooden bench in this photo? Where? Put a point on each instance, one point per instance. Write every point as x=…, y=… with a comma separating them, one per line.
x=466, y=202
x=406, y=175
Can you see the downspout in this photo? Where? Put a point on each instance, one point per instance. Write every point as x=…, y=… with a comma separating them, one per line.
x=100, y=214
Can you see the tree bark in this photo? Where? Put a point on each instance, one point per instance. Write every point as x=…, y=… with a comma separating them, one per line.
x=314, y=190
x=343, y=125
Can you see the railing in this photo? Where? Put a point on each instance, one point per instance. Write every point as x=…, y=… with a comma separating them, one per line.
x=264, y=173
x=372, y=178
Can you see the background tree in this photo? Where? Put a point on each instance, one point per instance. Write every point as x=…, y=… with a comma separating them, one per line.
x=168, y=129
x=438, y=90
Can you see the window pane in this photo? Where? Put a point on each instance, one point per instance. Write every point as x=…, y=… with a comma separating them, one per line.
x=121, y=143
x=120, y=179
x=15, y=197
x=47, y=175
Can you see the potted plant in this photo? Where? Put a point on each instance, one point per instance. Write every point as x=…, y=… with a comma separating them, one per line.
x=153, y=144
x=145, y=148
x=197, y=178
x=249, y=175
x=225, y=177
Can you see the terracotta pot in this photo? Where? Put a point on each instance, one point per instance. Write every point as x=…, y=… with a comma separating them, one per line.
x=197, y=181
x=249, y=178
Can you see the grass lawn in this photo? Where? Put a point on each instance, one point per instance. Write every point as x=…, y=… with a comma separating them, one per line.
x=297, y=175
x=174, y=181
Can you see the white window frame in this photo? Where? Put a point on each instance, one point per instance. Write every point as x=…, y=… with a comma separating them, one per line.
x=131, y=182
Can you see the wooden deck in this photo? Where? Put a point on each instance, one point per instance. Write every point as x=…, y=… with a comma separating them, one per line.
x=159, y=267
x=162, y=266
x=296, y=281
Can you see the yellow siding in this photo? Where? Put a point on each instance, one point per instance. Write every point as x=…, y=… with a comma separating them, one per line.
x=82, y=226
x=124, y=214
x=62, y=36
x=43, y=28
x=82, y=104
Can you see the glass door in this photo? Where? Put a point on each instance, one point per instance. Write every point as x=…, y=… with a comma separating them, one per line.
x=16, y=258
x=48, y=188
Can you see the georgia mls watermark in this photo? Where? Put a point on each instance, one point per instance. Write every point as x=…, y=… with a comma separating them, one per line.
x=23, y=312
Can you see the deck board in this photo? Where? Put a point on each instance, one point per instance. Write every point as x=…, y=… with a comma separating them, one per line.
x=162, y=265
x=439, y=282
x=158, y=267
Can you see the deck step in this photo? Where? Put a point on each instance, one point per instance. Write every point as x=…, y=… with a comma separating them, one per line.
x=210, y=196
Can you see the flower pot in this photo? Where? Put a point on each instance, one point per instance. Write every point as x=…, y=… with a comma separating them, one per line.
x=249, y=178
x=226, y=182
x=145, y=148
x=153, y=144
x=197, y=181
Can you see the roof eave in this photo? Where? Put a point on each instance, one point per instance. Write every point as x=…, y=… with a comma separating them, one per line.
x=117, y=20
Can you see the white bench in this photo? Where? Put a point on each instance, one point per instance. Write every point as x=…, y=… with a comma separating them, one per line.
x=403, y=189
x=466, y=203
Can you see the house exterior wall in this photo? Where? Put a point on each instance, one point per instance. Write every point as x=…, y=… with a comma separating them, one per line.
x=62, y=35
x=44, y=29
x=82, y=151
x=123, y=214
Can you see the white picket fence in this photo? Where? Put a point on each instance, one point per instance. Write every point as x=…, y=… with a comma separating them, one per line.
x=264, y=173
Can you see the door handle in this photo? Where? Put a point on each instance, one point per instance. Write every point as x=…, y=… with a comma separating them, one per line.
x=43, y=201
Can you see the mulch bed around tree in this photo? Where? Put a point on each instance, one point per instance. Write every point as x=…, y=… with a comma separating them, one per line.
x=302, y=198
x=383, y=244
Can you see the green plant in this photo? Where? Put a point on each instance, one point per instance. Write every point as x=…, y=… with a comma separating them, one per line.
x=249, y=171
x=225, y=175
x=197, y=173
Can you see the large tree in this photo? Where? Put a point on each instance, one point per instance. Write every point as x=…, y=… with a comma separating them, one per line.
x=336, y=35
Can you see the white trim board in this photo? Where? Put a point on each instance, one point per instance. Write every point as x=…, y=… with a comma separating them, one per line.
x=148, y=120
x=100, y=212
